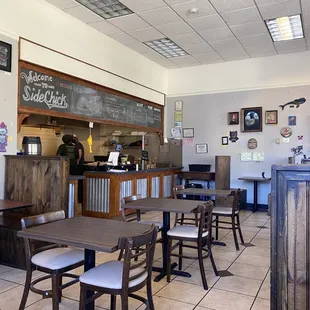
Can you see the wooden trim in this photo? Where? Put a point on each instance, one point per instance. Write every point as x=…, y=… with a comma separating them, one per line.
x=73, y=79
x=20, y=119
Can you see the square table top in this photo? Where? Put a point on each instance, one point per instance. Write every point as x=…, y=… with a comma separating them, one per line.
x=205, y=192
x=164, y=205
x=9, y=205
x=85, y=232
x=257, y=179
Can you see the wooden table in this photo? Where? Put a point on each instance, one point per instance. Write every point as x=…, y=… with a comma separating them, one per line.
x=91, y=234
x=166, y=206
x=255, y=180
x=205, y=192
x=10, y=205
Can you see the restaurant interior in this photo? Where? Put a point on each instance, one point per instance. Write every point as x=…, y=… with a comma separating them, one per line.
x=154, y=154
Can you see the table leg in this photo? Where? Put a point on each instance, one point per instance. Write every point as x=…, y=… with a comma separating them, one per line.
x=255, y=196
x=163, y=270
x=89, y=263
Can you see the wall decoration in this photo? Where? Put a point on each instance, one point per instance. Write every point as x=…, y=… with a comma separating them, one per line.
x=5, y=56
x=246, y=156
x=271, y=117
x=233, y=136
x=178, y=115
x=252, y=144
x=277, y=140
x=258, y=156
x=286, y=140
x=292, y=120
x=179, y=105
x=188, y=142
x=300, y=138
x=295, y=103
x=286, y=132
x=188, y=132
x=297, y=150
x=201, y=148
x=225, y=140
x=251, y=119
x=3, y=137
x=177, y=124
x=176, y=132
x=233, y=118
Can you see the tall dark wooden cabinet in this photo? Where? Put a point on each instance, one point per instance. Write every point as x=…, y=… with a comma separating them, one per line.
x=290, y=237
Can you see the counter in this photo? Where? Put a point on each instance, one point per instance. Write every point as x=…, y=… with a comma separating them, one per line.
x=103, y=191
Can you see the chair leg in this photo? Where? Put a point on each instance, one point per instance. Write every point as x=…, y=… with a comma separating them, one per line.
x=235, y=233
x=149, y=294
x=124, y=298
x=59, y=291
x=239, y=229
x=113, y=302
x=201, y=266
x=55, y=283
x=83, y=292
x=216, y=228
x=26, y=289
x=169, y=260
x=212, y=259
x=180, y=255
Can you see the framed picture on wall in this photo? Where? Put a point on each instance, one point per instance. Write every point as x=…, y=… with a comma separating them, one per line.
x=271, y=117
x=233, y=118
x=251, y=119
x=201, y=148
x=188, y=132
x=5, y=56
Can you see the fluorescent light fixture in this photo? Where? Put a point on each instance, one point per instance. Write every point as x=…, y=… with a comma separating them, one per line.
x=106, y=8
x=285, y=28
x=166, y=48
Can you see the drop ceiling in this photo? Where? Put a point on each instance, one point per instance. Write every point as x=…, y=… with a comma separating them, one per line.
x=221, y=30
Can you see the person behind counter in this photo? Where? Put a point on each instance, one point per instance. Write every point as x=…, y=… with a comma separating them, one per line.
x=80, y=149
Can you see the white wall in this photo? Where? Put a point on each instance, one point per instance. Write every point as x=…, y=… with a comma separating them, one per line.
x=207, y=114
x=259, y=73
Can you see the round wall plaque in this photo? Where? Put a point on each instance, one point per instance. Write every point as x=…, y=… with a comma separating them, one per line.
x=252, y=144
x=286, y=132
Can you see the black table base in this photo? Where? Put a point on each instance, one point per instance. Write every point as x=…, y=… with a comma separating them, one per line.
x=173, y=271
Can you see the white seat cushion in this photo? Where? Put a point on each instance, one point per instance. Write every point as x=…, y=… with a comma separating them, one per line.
x=159, y=225
x=186, y=231
x=222, y=211
x=58, y=258
x=109, y=275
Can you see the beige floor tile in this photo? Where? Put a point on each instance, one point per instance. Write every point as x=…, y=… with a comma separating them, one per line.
x=255, y=260
x=11, y=299
x=4, y=268
x=261, y=304
x=72, y=292
x=104, y=302
x=225, y=255
x=220, y=264
x=156, y=286
x=264, y=292
x=102, y=257
x=239, y=285
x=257, y=250
x=202, y=308
x=162, y=303
x=247, y=236
x=6, y=285
x=19, y=276
x=196, y=277
x=261, y=242
x=184, y=292
x=230, y=247
x=249, y=271
x=223, y=300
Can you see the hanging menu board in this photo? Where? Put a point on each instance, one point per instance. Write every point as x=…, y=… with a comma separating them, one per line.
x=48, y=92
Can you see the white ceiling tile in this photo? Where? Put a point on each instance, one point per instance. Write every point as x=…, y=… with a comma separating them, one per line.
x=208, y=57
x=140, y=48
x=129, y=22
x=174, y=29
x=198, y=48
x=63, y=4
x=256, y=54
x=290, y=46
x=249, y=29
x=217, y=34
x=305, y=4
x=207, y=22
x=170, y=2
x=105, y=27
x=185, y=61
x=83, y=14
x=236, y=56
x=124, y=38
x=306, y=19
x=187, y=39
x=143, y=5
x=226, y=45
x=146, y=34
x=279, y=9
x=204, y=8
x=231, y=5
x=262, y=2
x=155, y=56
x=210, y=62
x=160, y=16
x=256, y=40
x=261, y=49
x=243, y=16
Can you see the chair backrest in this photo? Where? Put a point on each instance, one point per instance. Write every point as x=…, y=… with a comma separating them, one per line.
x=132, y=216
x=175, y=191
x=205, y=218
x=137, y=254
x=236, y=201
x=34, y=246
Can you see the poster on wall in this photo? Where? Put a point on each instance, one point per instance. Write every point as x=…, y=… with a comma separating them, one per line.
x=251, y=119
x=3, y=137
x=5, y=56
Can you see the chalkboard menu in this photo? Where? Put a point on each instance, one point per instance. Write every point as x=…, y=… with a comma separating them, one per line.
x=45, y=91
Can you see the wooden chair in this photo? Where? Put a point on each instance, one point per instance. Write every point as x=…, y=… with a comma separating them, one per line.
x=131, y=272
x=53, y=259
x=231, y=211
x=200, y=234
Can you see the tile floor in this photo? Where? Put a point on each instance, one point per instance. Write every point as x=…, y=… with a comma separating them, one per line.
x=247, y=289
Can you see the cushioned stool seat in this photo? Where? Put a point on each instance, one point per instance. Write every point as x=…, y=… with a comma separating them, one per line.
x=223, y=210
x=110, y=274
x=185, y=231
x=58, y=258
x=159, y=225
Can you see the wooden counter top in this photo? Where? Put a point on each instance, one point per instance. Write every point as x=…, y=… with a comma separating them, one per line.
x=9, y=205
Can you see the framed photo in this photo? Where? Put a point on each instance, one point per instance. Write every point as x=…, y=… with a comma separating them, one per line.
x=271, y=117
x=188, y=132
x=292, y=121
x=179, y=105
x=5, y=56
x=225, y=140
x=202, y=148
x=251, y=119
x=233, y=118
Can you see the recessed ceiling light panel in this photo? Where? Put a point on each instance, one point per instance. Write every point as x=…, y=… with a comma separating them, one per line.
x=285, y=28
x=106, y=8
x=166, y=48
